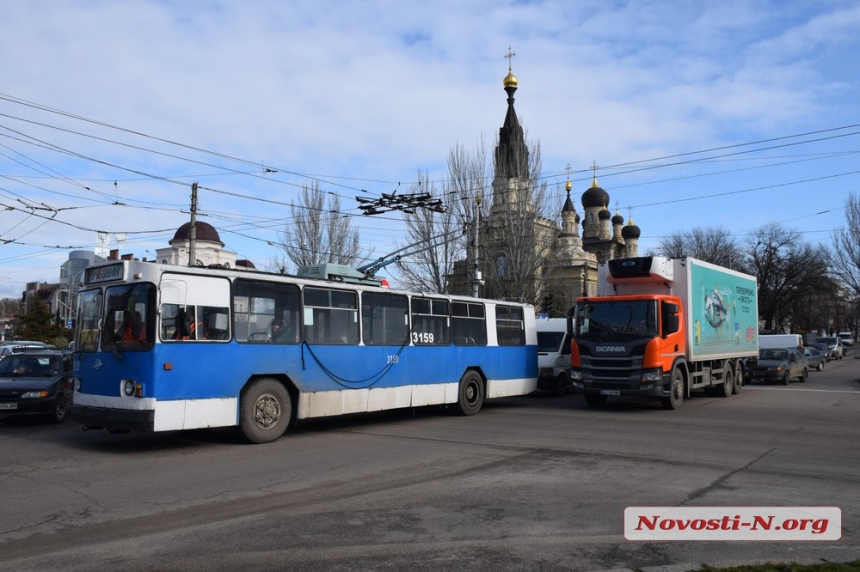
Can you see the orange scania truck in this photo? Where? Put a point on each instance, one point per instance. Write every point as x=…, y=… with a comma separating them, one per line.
x=662, y=327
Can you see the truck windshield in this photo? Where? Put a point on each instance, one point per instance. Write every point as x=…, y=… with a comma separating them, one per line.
x=617, y=320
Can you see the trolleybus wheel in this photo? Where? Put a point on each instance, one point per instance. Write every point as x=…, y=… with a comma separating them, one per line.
x=676, y=391
x=265, y=409
x=470, y=396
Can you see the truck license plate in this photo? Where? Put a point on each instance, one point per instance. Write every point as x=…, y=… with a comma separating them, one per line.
x=610, y=392
x=8, y=406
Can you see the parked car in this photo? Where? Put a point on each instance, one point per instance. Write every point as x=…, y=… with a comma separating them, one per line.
x=823, y=348
x=814, y=358
x=847, y=338
x=9, y=347
x=36, y=382
x=777, y=365
x=834, y=343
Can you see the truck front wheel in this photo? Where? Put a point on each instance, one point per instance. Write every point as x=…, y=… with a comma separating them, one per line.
x=676, y=391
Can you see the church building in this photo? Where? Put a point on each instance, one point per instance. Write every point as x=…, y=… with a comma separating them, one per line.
x=568, y=254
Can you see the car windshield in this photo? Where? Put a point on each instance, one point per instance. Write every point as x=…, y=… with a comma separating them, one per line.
x=773, y=354
x=828, y=341
x=24, y=365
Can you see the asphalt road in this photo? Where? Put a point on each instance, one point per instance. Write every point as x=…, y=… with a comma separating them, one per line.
x=530, y=483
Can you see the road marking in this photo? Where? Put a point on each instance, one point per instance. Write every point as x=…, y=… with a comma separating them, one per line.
x=799, y=389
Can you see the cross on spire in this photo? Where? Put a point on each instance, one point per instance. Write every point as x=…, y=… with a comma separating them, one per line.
x=510, y=57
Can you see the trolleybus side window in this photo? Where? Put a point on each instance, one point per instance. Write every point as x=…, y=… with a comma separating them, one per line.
x=266, y=312
x=431, y=322
x=129, y=318
x=469, y=323
x=194, y=323
x=385, y=319
x=510, y=326
x=330, y=316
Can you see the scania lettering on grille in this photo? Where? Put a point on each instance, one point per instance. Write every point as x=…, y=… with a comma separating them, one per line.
x=610, y=349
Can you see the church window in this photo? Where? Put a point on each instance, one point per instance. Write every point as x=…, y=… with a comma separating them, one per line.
x=502, y=266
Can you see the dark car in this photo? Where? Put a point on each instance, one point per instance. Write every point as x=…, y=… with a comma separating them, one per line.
x=777, y=365
x=36, y=382
x=9, y=347
x=823, y=348
x=814, y=358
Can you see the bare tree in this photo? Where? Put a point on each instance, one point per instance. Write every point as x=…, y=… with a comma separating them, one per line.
x=711, y=244
x=317, y=233
x=517, y=237
x=845, y=256
x=433, y=239
x=790, y=273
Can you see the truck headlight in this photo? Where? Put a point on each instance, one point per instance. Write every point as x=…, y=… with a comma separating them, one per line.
x=576, y=375
x=652, y=376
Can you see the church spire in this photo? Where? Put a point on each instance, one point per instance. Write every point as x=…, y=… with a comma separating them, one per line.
x=511, y=153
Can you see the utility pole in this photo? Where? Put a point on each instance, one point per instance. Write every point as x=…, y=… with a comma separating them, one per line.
x=192, y=234
x=476, y=273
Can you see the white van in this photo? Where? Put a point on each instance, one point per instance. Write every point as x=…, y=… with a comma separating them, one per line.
x=780, y=341
x=847, y=338
x=553, y=355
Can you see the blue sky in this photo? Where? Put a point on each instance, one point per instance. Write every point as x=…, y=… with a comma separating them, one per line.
x=364, y=95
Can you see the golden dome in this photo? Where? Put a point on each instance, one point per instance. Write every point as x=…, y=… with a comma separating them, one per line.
x=510, y=79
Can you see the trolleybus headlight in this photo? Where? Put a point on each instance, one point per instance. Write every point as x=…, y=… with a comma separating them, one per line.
x=128, y=387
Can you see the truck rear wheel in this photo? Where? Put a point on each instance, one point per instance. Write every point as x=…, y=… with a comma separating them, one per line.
x=739, y=380
x=726, y=388
x=595, y=399
x=676, y=391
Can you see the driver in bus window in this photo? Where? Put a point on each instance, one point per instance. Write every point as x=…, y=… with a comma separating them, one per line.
x=280, y=331
x=134, y=330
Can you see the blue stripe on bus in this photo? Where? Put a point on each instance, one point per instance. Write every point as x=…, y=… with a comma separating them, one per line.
x=224, y=368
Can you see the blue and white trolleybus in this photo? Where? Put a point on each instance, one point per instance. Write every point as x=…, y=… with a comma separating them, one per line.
x=165, y=348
